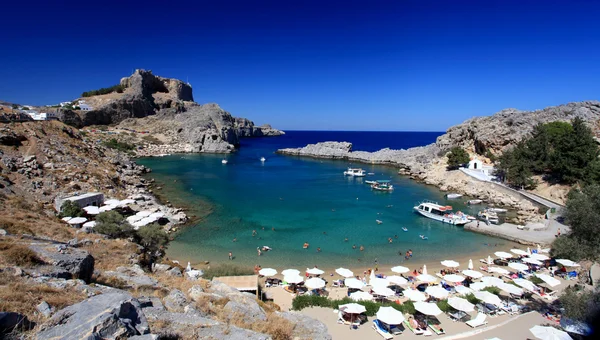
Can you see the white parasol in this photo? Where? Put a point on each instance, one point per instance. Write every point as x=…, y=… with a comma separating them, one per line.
x=470, y=265
x=112, y=202
x=518, y=266
x=353, y=283
x=511, y=289
x=428, y=308
x=472, y=273
x=503, y=255
x=344, y=272
x=492, y=281
x=290, y=272
x=143, y=213
x=540, y=257
x=567, y=263
x=389, y=315
x=462, y=290
x=383, y=291
x=315, y=283
x=531, y=260
x=77, y=220
x=549, y=333
x=450, y=263
x=395, y=279
x=157, y=215
x=478, y=286
x=267, y=272
x=461, y=304
x=525, y=284
x=314, y=271
x=520, y=252
x=361, y=296
x=488, y=297
x=498, y=270
x=414, y=295
x=437, y=292
x=92, y=210
x=378, y=282
x=66, y=219
x=89, y=224
x=426, y=278
x=489, y=260
x=454, y=278
x=107, y=208
x=126, y=202
x=294, y=279
x=352, y=308
x=400, y=269
x=424, y=269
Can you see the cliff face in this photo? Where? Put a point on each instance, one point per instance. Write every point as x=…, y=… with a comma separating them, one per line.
x=507, y=127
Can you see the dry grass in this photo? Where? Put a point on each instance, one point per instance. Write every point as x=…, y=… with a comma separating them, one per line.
x=16, y=295
x=277, y=327
x=21, y=216
x=18, y=254
x=110, y=254
x=110, y=281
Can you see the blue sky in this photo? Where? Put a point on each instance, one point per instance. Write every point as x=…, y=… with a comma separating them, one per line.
x=348, y=65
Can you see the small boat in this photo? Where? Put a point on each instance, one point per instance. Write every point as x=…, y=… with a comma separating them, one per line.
x=379, y=221
x=471, y=218
x=371, y=173
x=423, y=237
x=371, y=182
x=453, y=196
x=474, y=202
x=355, y=172
x=224, y=161
x=404, y=229
x=382, y=185
x=440, y=213
x=497, y=210
x=262, y=159
x=488, y=216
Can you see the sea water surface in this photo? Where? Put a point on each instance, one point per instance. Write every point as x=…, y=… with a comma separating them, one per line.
x=289, y=200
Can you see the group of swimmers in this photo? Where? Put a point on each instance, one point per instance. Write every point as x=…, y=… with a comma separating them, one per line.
x=407, y=255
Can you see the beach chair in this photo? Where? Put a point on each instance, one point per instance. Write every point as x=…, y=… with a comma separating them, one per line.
x=395, y=329
x=457, y=315
x=437, y=329
x=478, y=321
x=407, y=325
x=381, y=330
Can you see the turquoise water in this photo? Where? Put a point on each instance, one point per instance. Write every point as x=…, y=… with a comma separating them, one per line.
x=304, y=200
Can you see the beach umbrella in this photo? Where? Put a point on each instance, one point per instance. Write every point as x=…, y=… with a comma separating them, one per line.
x=540, y=257
x=389, y=315
x=462, y=290
x=528, y=251
x=378, y=282
x=489, y=260
x=503, y=255
x=461, y=304
x=314, y=271
x=290, y=272
x=428, y=308
x=383, y=291
x=77, y=220
x=354, y=283
x=352, y=308
x=294, y=279
x=520, y=252
x=157, y=215
x=134, y=218
x=437, y=292
x=470, y=266
x=89, y=224
x=92, y=210
x=400, y=269
x=126, y=202
x=267, y=272
x=567, y=263
x=425, y=269
x=488, y=297
x=426, y=278
x=525, y=284
x=531, y=261
x=315, y=283
x=344, y=272
x=414, y=295
x=511, y=289
x=66, y=219
x=144, y=213
x=107, y=208
x=472, y=273
x=454, y=278
x=478, y=286
x=518, y=266
x=450, y=263
x=492, y=281
x=549, y=333
x=395, y=279
x=361, y=296
x=498, y=270
x=112, y=202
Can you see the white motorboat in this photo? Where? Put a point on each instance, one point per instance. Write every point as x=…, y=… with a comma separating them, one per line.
x=453, y=196
x=441, y=213
x=474, y=202
x=355, y=172
x=262, y=159
x=371, y=182
x=224, y=161
x=382, y=185
x=497, y=210
x=488, y=216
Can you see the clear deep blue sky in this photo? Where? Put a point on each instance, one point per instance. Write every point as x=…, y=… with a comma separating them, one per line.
x=345, y=65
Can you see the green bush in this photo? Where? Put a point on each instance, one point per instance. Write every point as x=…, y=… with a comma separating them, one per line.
x=536, y=280
x=304, y=301
x=457, y=157
x=71, y=209
x=104, y=90
x=493, y=290
x=121, y=146
x=444, y=306
x=581, y=305
x=472, y=299
x=112, y=224
x=226, y=270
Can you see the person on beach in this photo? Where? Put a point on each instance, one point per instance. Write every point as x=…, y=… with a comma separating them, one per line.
x=256, y=269
x=258, y=250
x=477, y=224
x=410, y=253
x=230, y=256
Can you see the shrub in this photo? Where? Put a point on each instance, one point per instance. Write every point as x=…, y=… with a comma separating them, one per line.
x=457, y=157
x=112, y=224
x=121, y=146
x=472, y=299
x=493, y=290
x=226, y=270
x=105, y=90
x=581, y=305
x=444, y=306
x=71, y=209
x=304, y=301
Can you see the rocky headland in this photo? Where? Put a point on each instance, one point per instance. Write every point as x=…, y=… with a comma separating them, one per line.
x=480, y=136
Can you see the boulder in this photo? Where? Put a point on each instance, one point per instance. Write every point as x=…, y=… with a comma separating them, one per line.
x=68, y=263
x=134, y=276
x=44, y=309
x=11, y=321
x=160, y=267
x=222, y=289
x=240, y=304
x=175, y=301
x=111, y=315
x=174, y=272
x=195, y=292
x=306, y=327
x=229, y=332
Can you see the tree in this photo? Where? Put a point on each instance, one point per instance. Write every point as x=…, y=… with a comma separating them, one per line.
x=514, y=167
x=153, y=238
x=71, y=209
x=583, y=306
x=457, y=157
x=112, y=224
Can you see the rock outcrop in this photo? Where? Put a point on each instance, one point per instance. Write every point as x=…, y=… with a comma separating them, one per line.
x=64, y=262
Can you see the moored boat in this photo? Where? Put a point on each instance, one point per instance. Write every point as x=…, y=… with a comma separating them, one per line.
x=382, y=185
x=488, y=216
x=497, y=210
x=224, y=161
x=440, y=213
x=404, y=229
x=355, y=172
x=370, y=182
x=262, y=159
x=474, y=202
x=453, y=196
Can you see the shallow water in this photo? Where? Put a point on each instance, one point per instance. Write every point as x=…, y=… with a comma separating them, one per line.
x=305, y=200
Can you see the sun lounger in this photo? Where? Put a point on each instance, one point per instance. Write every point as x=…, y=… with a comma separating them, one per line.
x=381, y=331
x=407, y=325
x=395, y=329
x=341, y=320
x=437, y=329
x=478, y=321
x=458, y=315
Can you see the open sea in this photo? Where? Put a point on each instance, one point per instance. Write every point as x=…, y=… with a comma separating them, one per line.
x=289, y=201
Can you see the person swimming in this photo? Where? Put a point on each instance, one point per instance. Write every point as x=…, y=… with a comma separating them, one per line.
x=362, y=248
x=346, y=239
x=354, y=246
x=253, y=232
x=318, y=249
x=305, y=246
